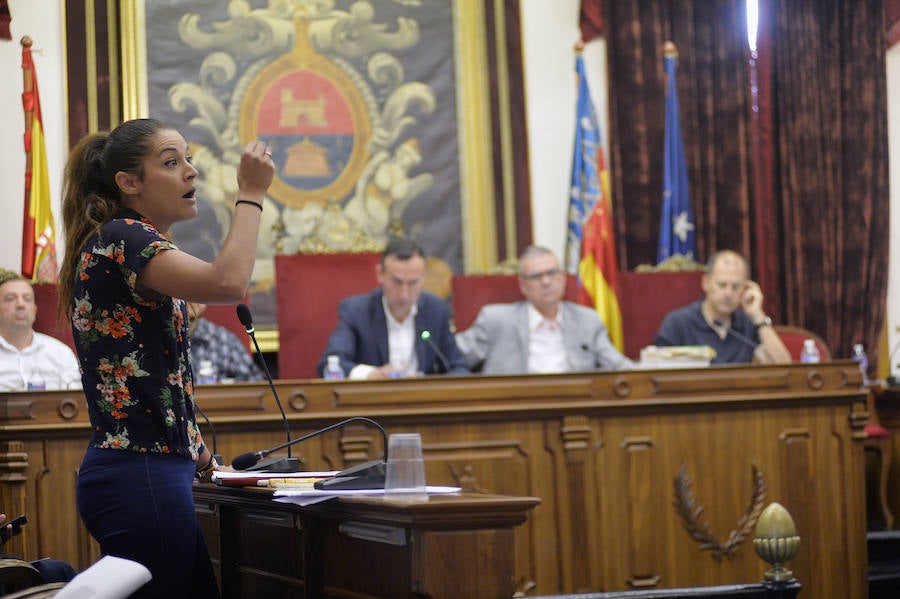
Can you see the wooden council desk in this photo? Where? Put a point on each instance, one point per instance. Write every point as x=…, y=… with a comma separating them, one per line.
x=448, y=547
x=646, y=478
x=887, y=406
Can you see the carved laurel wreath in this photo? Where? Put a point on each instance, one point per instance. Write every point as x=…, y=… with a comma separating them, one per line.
x=699, y=528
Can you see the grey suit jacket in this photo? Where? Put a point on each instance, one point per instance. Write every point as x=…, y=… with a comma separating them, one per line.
x=498, y=341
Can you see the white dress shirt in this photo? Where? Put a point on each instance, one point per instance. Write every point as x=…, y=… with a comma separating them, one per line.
x=546, y=352
x=45, y=364
x=401, y=346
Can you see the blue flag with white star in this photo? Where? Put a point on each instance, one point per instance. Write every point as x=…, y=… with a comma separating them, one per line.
x=676, y=228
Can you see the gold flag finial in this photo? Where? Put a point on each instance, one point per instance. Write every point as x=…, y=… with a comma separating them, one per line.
x=669, y=49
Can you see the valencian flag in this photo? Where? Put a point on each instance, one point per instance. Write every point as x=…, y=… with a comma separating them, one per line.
x=676, y=228
x=590, y=246
x=38, y=231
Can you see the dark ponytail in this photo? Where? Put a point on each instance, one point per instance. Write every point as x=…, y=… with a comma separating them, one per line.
x=90, y=195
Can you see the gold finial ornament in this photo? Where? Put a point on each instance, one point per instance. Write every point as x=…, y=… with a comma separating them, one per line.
x=669, y=49
x=776, y=541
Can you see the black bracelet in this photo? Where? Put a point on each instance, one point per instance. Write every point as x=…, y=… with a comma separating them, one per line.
x=251, y=202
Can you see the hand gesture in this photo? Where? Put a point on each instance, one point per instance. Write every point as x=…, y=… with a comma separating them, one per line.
x=752, y=301
x=255, y=171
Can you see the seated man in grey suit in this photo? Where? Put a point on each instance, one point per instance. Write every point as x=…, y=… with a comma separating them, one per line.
x=542, y=334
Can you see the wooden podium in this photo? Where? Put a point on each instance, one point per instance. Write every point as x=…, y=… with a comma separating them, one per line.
x=450, y=546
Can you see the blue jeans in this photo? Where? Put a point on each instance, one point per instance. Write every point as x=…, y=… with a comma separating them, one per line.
x=140, y=506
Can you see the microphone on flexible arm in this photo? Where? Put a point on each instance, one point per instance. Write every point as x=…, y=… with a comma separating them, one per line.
x=280, y=464
x=425, y=335
x=739, y=336
x=369, y=475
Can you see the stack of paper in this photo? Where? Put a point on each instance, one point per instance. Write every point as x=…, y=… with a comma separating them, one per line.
x=680, y=356
x=272, y=480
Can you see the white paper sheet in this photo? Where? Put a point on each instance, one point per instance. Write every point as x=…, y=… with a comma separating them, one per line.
x=109, y=578
x=268, y=475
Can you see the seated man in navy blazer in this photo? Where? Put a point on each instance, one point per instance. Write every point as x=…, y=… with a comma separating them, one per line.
x=397, y=329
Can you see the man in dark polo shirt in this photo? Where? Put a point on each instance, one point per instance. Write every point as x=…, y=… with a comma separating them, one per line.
x=730, y=318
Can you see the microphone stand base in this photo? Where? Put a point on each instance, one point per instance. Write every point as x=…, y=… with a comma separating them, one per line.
x=278, y=464
x=369, y=475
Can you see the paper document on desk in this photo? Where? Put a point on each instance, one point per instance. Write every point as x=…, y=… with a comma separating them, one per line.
x=303, y=497
x=268, y=479
x=677, y=356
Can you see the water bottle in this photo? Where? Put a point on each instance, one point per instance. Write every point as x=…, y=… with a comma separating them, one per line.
x=206, y=374
x=36, y=382
x=859, y=354
x=333, y=370
x=810, y=353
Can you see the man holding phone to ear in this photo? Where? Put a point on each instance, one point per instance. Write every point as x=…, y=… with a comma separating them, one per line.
x=51, y=569
x=730, y=318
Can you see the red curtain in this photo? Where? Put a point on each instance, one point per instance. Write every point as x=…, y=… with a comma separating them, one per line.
x=829, y=106
x=803, y=190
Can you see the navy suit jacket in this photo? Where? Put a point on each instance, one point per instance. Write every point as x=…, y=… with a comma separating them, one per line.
x=361, y=335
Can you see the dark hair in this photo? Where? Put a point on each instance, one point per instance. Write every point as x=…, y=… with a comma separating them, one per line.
x=402, y=249
x=91, y=196
x=9, y=275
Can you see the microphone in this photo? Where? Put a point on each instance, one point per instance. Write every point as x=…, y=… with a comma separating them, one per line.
x=288, y=464
x=425, y=335
x=369, y=475
x=739, y=336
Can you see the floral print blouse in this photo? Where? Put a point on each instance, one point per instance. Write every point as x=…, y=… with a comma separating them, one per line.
x=133, y=351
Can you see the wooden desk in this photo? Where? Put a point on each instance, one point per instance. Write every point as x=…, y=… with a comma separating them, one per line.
x=450, y=546
x=887, y=407
x=605, y=453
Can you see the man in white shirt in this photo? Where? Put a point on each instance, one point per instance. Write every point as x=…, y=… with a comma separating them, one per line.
x=542, y=334
x=30, y=360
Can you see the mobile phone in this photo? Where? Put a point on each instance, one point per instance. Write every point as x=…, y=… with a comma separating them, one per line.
x=17, y=523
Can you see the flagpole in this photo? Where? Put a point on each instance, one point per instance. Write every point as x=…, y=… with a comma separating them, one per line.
x=27, y=221
x=38, y=227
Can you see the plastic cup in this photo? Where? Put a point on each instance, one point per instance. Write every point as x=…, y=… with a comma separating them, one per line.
x=405, y=468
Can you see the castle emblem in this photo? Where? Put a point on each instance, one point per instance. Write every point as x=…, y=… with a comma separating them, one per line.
x=315, y=120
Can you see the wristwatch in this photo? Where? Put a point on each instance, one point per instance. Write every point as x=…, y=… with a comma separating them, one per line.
x=765, y=322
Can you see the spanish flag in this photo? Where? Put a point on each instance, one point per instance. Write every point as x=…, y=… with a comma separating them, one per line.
x=38, y=231
x=591, y=248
